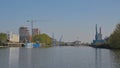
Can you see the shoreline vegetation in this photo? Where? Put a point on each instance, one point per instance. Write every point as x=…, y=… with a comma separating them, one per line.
x=113, y=41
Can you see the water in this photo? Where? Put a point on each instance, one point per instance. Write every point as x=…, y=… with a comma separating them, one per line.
x=59, y=57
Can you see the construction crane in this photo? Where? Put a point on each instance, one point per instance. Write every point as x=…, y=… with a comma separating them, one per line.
x=53, y=40
x=60, y=40
x=33, y=21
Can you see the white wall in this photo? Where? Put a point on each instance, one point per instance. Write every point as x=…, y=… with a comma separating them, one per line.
x=13, y=37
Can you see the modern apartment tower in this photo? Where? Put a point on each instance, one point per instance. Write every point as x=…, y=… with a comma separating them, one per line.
x=24, y=34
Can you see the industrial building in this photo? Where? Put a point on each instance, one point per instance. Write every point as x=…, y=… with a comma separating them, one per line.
x=98, y=37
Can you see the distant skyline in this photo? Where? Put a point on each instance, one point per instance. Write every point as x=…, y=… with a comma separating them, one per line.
x=74, y=19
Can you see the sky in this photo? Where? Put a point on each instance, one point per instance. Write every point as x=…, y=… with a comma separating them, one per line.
x=74, y=19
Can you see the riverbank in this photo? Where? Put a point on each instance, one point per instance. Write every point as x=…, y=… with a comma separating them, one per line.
x=3, y=46
x=104, y=46
x=9, y=44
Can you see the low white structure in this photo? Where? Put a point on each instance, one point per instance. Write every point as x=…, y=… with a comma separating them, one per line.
x=77, y=42
x=12, y=37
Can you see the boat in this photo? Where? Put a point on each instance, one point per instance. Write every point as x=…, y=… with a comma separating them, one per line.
x=32, y=45
x=28, y=45
x=36, y=45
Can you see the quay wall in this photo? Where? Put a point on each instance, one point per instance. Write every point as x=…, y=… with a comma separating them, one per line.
x=13, y=44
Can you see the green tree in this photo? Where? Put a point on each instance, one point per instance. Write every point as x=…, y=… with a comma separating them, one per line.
x=114, y=40
x=42, y=38
x=3, y=38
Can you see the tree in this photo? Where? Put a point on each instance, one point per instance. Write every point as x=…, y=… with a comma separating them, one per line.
x=42, y=38
x=3, y=38
x=114, y=40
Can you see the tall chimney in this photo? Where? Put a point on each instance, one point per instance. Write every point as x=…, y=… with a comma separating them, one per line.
x=96, y=36
x=100, y=30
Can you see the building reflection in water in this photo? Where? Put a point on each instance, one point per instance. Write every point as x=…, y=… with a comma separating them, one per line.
x=97, y=58
x=25, y=58
x=45, y=58
x=13, y=57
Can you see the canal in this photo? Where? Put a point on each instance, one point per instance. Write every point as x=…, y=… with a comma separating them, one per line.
x=59, y=57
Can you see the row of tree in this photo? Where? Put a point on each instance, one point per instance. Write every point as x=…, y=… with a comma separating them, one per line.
x=114, y=39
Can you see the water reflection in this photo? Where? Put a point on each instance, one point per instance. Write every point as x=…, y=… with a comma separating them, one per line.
x=105, y=58
x=36, y=58
x=25, y=58
x=59, y=57
x=115, y=55
x=13, y=57
x=4, y=57
x=97, y=58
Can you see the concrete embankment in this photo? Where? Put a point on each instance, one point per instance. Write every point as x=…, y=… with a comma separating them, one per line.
x=12, y=44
